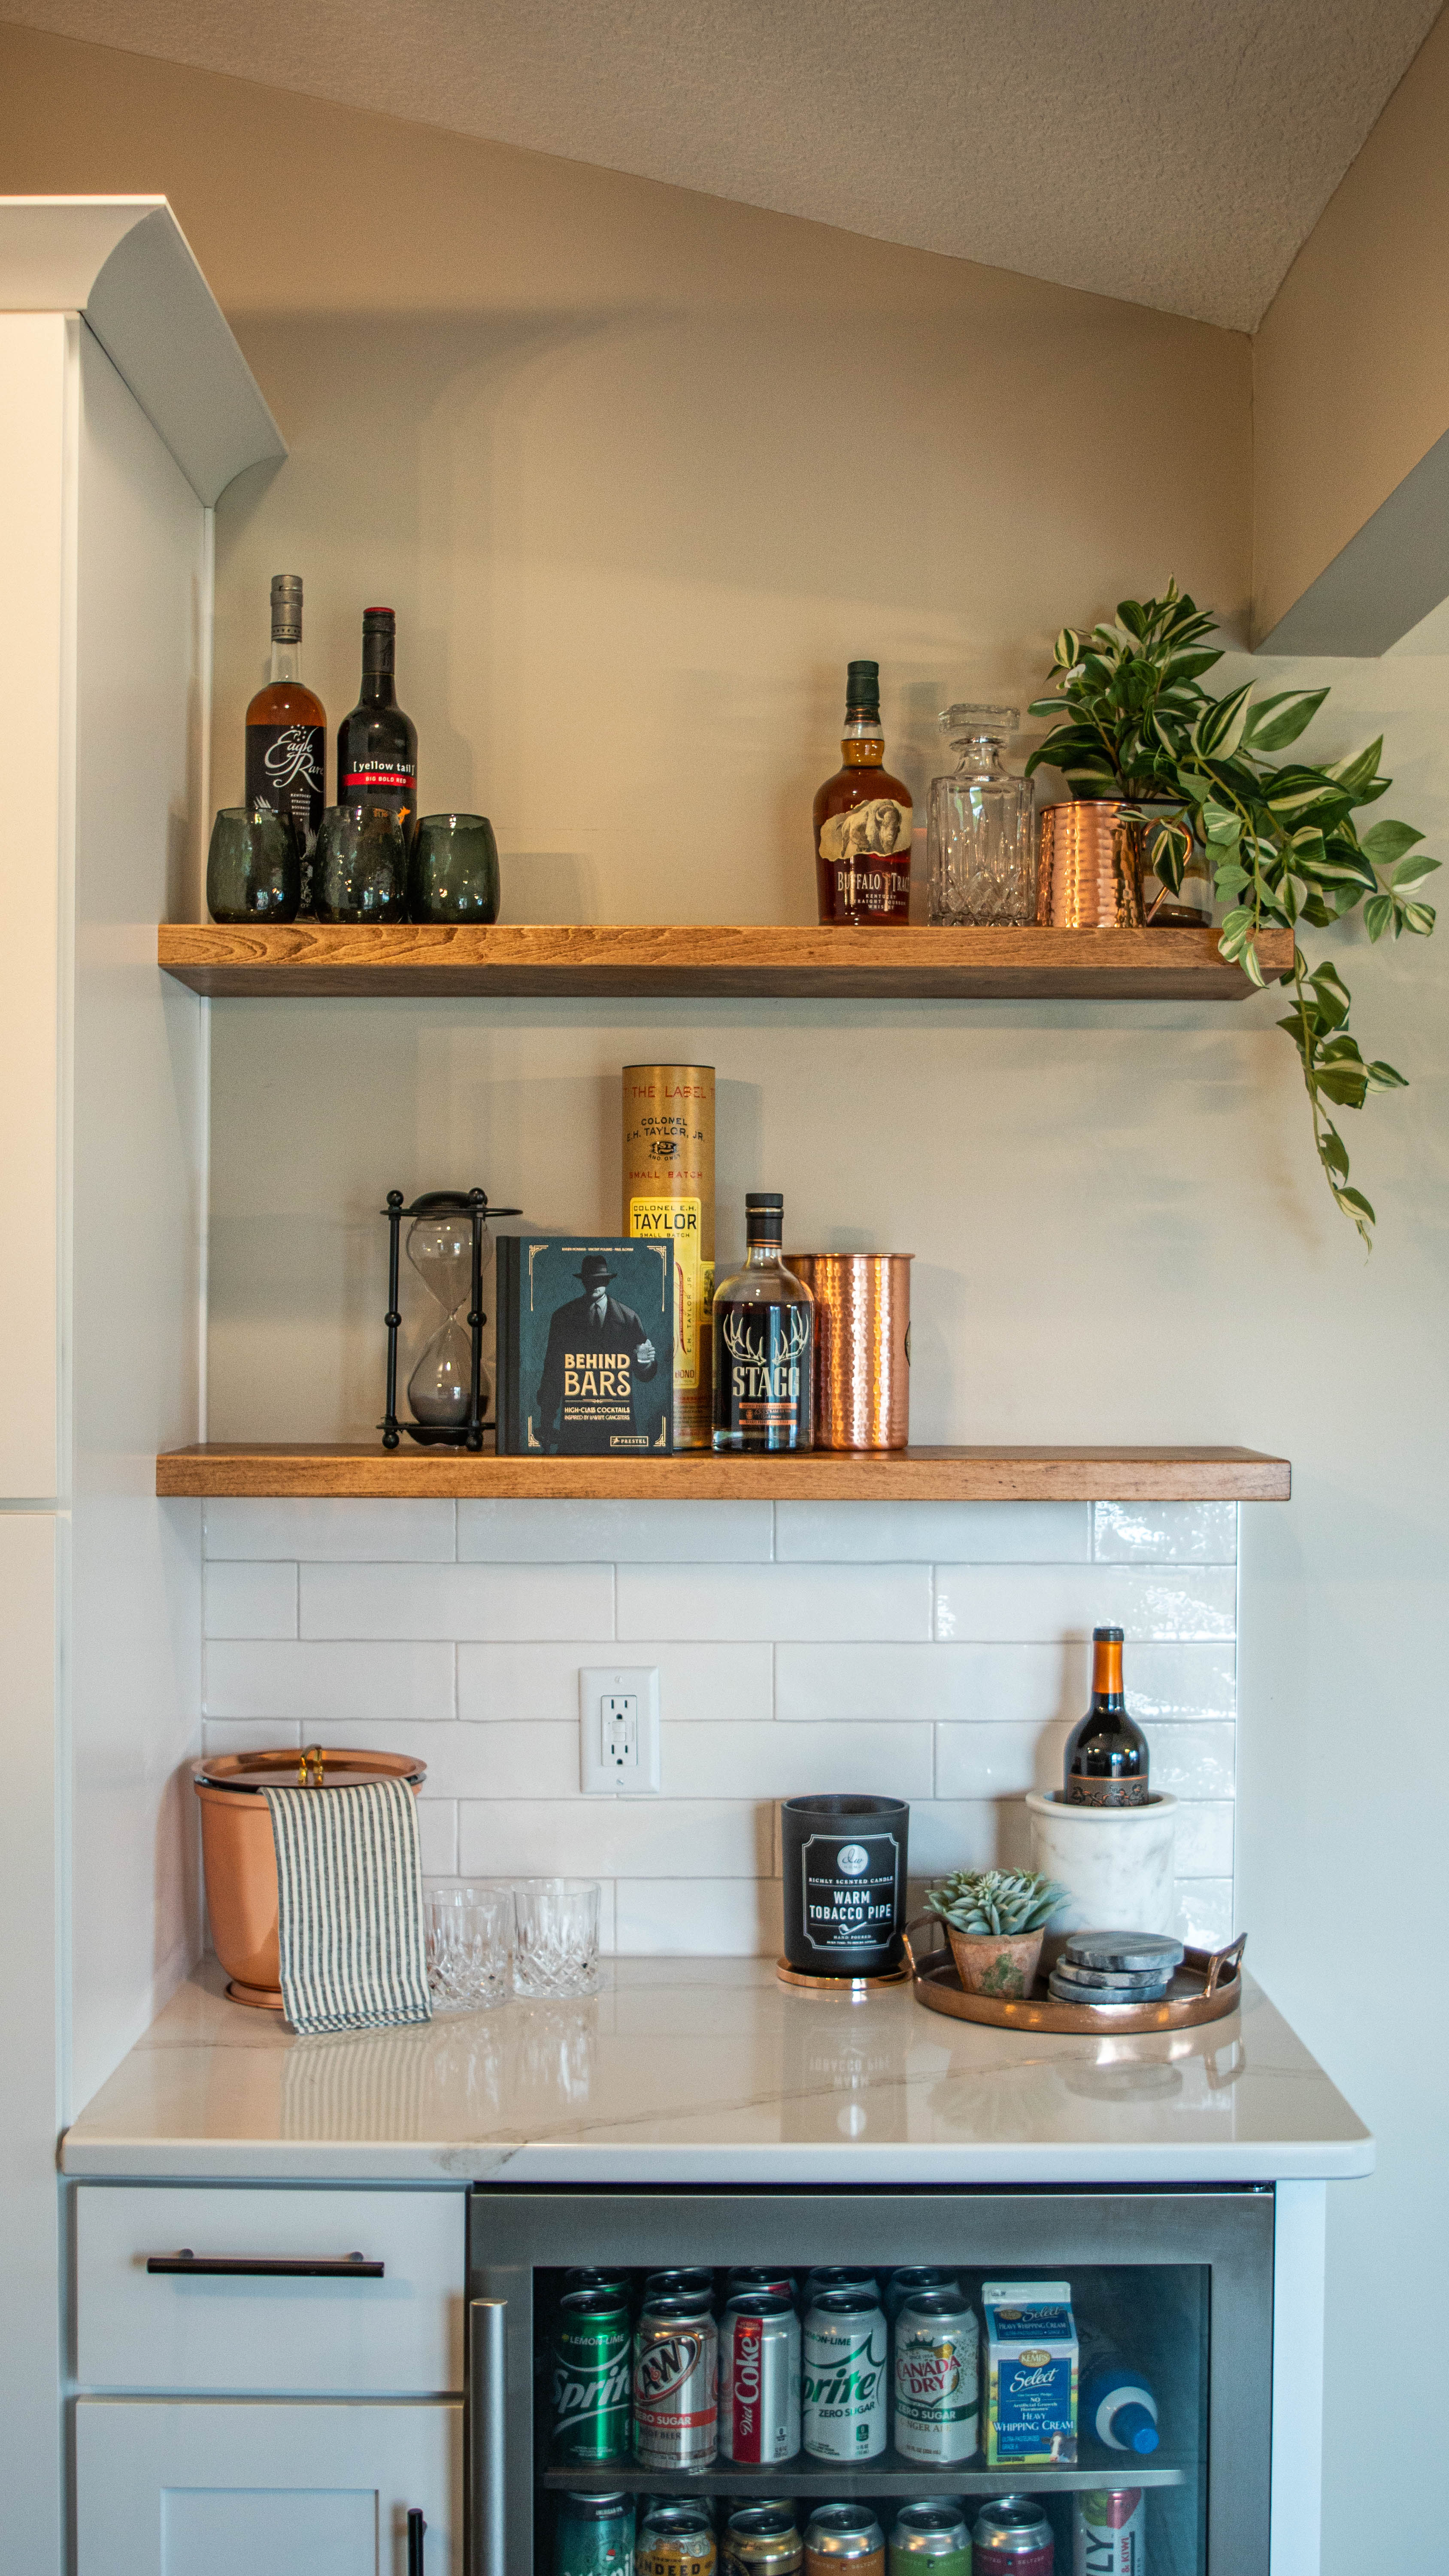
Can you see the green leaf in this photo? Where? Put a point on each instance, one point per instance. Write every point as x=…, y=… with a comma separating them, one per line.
x=1219, y=730
x=1066, y=650
x=1334, y=1154
x=1354, y=1199
x=1229, y=880
x=1220, y=823
x=1297, y=791
x=1387, y=842
x=1354, y=777
x=1277, y=721
x=1419, y=917
x=1413, y=873
x=1335, y=871
x=1382, y=1077
x=1377, y=915
x=1132, y=615
x=1347, y=1084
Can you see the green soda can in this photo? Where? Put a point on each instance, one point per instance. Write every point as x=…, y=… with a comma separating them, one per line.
x=594, y=2536
x=589, y=2386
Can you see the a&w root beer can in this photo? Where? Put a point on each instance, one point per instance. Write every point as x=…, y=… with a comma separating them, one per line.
x=676, y=2352
x=759, y=2380
x=937, y=2379
x=843, y=2376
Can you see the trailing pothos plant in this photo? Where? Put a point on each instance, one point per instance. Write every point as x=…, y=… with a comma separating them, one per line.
x=1133, y=720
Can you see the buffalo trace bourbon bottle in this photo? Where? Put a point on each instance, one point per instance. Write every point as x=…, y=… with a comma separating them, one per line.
x=863, y=819
x=377, y=745
x=1106, y=1762
x=764, y=1342
x=286, y=734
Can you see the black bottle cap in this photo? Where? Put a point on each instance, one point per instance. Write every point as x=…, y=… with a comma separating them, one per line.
x=764, y=1198
x=1109, y=1636
x=862, y=689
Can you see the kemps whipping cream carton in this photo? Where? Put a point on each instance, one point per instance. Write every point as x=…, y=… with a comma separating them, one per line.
x=1031, y=2372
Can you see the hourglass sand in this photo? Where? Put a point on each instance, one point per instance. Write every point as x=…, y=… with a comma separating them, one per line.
x=450, y=1248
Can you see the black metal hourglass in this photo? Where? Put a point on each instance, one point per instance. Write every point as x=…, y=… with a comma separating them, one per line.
x=450, y=1248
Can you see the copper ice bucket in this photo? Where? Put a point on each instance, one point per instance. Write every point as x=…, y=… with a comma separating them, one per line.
x=862, y=1346
x=240, y=1858
x=1090, y=858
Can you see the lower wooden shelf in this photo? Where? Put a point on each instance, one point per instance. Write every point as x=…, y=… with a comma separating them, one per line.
x=977, y=1475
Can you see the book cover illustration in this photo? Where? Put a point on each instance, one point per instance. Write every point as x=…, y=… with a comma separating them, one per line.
x=586, y=1346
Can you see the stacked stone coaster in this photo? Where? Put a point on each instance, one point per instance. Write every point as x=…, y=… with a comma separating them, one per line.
x=1115, y=1968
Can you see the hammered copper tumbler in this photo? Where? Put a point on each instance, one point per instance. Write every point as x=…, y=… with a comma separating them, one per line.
x=862, y=1346
x=1089, y=865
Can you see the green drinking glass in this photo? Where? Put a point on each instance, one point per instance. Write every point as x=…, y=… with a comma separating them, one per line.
x=453, y=874
x=360, y=872
x=253, y=868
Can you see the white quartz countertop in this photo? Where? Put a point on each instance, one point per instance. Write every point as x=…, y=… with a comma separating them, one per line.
x=698, y=2070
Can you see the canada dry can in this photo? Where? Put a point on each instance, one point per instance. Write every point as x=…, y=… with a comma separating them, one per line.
x=676, y=2350
x=763, y=2540
x=759, y=2380
x=669, y=1198
x=843, y=2376
x=930, y=2540
x=937, y=2379
x=1012, y=2538
x=904, y=2284
x=675, y=2540
x=1110, y=2533
x=589, y=2389
x=844, y=2540
x=594, y=2536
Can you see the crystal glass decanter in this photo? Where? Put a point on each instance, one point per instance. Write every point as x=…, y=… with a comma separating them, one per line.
x=979, y=855
x=440, y=1248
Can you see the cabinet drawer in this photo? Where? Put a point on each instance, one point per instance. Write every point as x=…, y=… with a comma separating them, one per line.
x=270, y=2332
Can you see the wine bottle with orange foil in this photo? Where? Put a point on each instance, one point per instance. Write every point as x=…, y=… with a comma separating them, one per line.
x=1106, y=1764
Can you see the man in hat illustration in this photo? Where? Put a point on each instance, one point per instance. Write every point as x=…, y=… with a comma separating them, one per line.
x=596, y=1350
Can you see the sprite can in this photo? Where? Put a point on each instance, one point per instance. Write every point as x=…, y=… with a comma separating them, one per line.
x=843, y=2375
x=589, y=2384
x=593, y=2535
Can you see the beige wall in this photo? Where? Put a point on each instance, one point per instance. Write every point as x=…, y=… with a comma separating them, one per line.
x=1351, y=360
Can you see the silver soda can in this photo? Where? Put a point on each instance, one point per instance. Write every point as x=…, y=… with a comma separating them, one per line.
x=1012, y=2538
x=843, y=2376
x=844, y=2540
x=759, y=2380
x=937, y=2379
x=676, y=2355
x=904, y=2284
x=696, y=2280
x=762, y=2540
x=675, y=2540
x=931, y=2540
x=1110, y=2532
x=753, y=2276
x=837, y=2276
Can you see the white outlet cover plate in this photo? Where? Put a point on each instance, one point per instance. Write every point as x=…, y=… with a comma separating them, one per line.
x=599, y=1776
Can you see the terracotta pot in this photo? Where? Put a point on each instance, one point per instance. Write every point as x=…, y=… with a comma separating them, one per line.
x=996, y=1963
x=240, y=1857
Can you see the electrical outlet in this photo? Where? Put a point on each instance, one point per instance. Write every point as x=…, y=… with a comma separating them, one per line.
x=619, y=1730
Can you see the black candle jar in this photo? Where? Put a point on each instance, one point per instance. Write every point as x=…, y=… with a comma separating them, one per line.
x=844, y=1862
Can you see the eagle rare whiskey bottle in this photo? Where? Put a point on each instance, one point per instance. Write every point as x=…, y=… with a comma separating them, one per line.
x=764, y=1343
x=863, y=819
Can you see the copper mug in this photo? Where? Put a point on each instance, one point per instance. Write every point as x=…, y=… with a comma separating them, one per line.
x=862, y=1346
x=1090, y=858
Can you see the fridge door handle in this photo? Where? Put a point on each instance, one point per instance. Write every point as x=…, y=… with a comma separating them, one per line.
x=487, y=2416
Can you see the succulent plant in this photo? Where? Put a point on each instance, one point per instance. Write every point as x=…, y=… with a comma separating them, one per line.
x=1004, y=1901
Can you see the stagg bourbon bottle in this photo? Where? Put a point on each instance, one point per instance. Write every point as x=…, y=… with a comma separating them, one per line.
x=377, y=745
x=863, y=819
x=286, y=755
x=1106, y=1763
x=764, y=1342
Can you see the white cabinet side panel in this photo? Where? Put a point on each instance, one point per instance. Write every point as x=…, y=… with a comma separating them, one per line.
x=34, y=650
x=137, y=1157
x=30, y=1548
x=1298, y=2290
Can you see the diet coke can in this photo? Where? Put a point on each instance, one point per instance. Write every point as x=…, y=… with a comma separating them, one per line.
x=759, y=2380
x=1110, y=2533
x=676, y=2353
x=843, y=2376
x=753, y=2276
x=937, y=2379
x=1012, y=2538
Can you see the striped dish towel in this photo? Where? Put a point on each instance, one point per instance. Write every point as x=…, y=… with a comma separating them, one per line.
x=350, y=1906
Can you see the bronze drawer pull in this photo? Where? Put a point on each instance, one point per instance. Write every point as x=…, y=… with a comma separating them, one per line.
x=268, y=2267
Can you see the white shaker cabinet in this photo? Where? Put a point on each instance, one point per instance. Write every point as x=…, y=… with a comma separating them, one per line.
x=177, y=2487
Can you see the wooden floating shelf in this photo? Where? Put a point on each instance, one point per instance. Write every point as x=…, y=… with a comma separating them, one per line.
x=857, y=1476
x=310, y=960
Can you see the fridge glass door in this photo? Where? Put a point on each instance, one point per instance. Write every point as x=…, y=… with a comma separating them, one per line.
x=871, y=2383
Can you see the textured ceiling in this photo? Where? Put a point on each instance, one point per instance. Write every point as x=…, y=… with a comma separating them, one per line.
x=1174, y=152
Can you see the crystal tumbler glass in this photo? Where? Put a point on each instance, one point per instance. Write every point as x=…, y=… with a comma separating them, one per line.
x=557, y=1951
x=469, y=1932
x=360, y=870
x=253, y=871
x=979, y=857
x=453, y=870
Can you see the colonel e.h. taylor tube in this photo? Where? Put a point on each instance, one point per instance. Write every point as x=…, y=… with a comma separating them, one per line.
x=669, y=1197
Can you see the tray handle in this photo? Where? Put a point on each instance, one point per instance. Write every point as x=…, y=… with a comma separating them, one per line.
x=918, y=1923
x=1221, y=1962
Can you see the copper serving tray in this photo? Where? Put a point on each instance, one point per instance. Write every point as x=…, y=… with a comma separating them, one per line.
x=1207, y=1987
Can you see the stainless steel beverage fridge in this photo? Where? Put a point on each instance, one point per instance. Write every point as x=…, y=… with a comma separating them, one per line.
x=1084, y=2376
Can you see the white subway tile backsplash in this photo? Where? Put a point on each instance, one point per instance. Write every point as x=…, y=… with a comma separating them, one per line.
x=343, y=1532
x=752, y=1761
x=1015, y=1604
x=402, y=1683
x=614, y=1837
x=1033, y=1682
x=250, y=1734
x=774, y=1601
x=1192, y=1761
x=614, y=1533
x=998, y=1760
x=696, y=1682
x=456, y=1601
x=1205, y=1839
x=703, y=1918
x=968, y=1833
x=519, y=1761
x=438, y=1837
x=962, y=1533
x=1205, y=1912
x=1165, y=1533
x=250, y=1601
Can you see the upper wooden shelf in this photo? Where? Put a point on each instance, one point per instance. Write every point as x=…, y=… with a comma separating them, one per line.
x=311, y=959
x=982, y=1475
